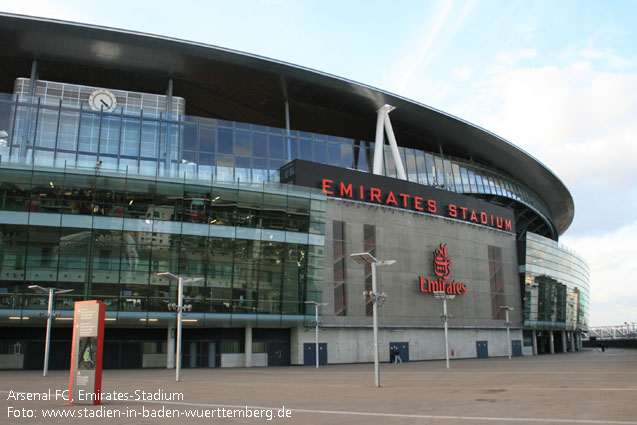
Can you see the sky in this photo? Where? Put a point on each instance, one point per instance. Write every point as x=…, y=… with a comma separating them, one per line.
x=556, y=78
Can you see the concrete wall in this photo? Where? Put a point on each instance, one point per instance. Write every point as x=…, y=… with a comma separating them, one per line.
x=409, y=315
x=11, y=361
x=238, y=360
x=154, y=360
x=410, y=239
x=355, y=345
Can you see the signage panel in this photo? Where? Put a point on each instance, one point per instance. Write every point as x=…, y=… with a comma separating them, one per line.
x=86, y=353
x=359, y=186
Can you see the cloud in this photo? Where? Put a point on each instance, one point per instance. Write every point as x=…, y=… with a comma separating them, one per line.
x=579, y=119
x=610, y=58
x=462, y=73
x=512, y=57
x=613, y=265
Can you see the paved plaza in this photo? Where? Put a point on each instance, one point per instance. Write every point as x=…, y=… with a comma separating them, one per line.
x=588, y=387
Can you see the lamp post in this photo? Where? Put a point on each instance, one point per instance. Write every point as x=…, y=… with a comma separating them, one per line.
x=316, y=315
x=442, y=295
x=49, y=314
x=506, y=309
x=375, y=297
x=180, y=309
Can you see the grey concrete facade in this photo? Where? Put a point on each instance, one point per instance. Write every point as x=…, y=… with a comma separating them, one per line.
x=409, y=315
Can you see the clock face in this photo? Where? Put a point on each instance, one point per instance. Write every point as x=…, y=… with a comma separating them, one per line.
x=102, y=100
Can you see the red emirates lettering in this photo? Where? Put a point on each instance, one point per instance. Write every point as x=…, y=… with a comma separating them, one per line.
x=374, y=195
x=391, y=199
x=346, y=190
x=405, y=199
x=326, y=185
x=431, y=206
x=464, y=212
x=418, y=203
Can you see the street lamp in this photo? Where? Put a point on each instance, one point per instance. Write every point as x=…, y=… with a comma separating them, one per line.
x=316, y=306
x=180, y=309
x=375, y=297
x=506, y=309
x=442, y=295
x=49, y=314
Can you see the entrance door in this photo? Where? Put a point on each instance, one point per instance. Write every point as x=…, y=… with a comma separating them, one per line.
x=198, y=354
x=309, y=355
x=279, y=353
x=403, y=350
x=516, y=348
x=212, y=349
x=482, y=348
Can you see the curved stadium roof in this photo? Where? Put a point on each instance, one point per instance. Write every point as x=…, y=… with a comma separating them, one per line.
x=227, y=84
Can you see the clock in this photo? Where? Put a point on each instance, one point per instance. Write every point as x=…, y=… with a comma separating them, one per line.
x=102, y=100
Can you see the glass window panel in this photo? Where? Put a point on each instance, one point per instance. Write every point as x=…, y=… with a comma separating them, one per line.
x=242, y=168
x=305, y=146
x=480, y=183
x=410, y=163
x=206, y=164
x=109, y=141
x=293, y=146
x=334, y=154
x=150, y=139
x=347, y=154
x=69, y=122
x=225, y=168
x=130, y=136
x=390, y=165
x=259, y=145
x=89, y=132
x=189, y=137
x=439, y=172
x=148, y=167
x=465, y=180
x=432, y=175
x=260, y=170
x=225, y=144
x=242, y=143
x=275, y=143
x=64, y=159
x=207, y=138
x=320, y=151
x=456, y=177
x=449, y=175
x=275, y=164
x=47, y=128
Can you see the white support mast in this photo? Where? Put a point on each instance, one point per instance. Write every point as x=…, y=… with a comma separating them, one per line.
x=383, y=122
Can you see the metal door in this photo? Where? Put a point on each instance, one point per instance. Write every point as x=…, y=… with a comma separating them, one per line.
x=279, y=354
x=482, y=348
x=516, y=348
x=309, y=357
x=403, y=349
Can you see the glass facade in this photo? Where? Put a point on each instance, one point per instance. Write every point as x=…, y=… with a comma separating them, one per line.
x=135, y=142
x=556, y=286
x=258, y=248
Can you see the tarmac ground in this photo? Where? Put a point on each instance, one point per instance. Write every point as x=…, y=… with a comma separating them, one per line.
x=587, y=387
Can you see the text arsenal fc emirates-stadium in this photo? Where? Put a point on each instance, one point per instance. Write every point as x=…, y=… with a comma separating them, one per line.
x=124, y=155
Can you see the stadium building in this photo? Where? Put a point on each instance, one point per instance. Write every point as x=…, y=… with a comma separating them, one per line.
x=123, y=155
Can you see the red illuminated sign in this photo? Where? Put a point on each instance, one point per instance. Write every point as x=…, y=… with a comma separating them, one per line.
x=411, y=202
x=442, y=269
